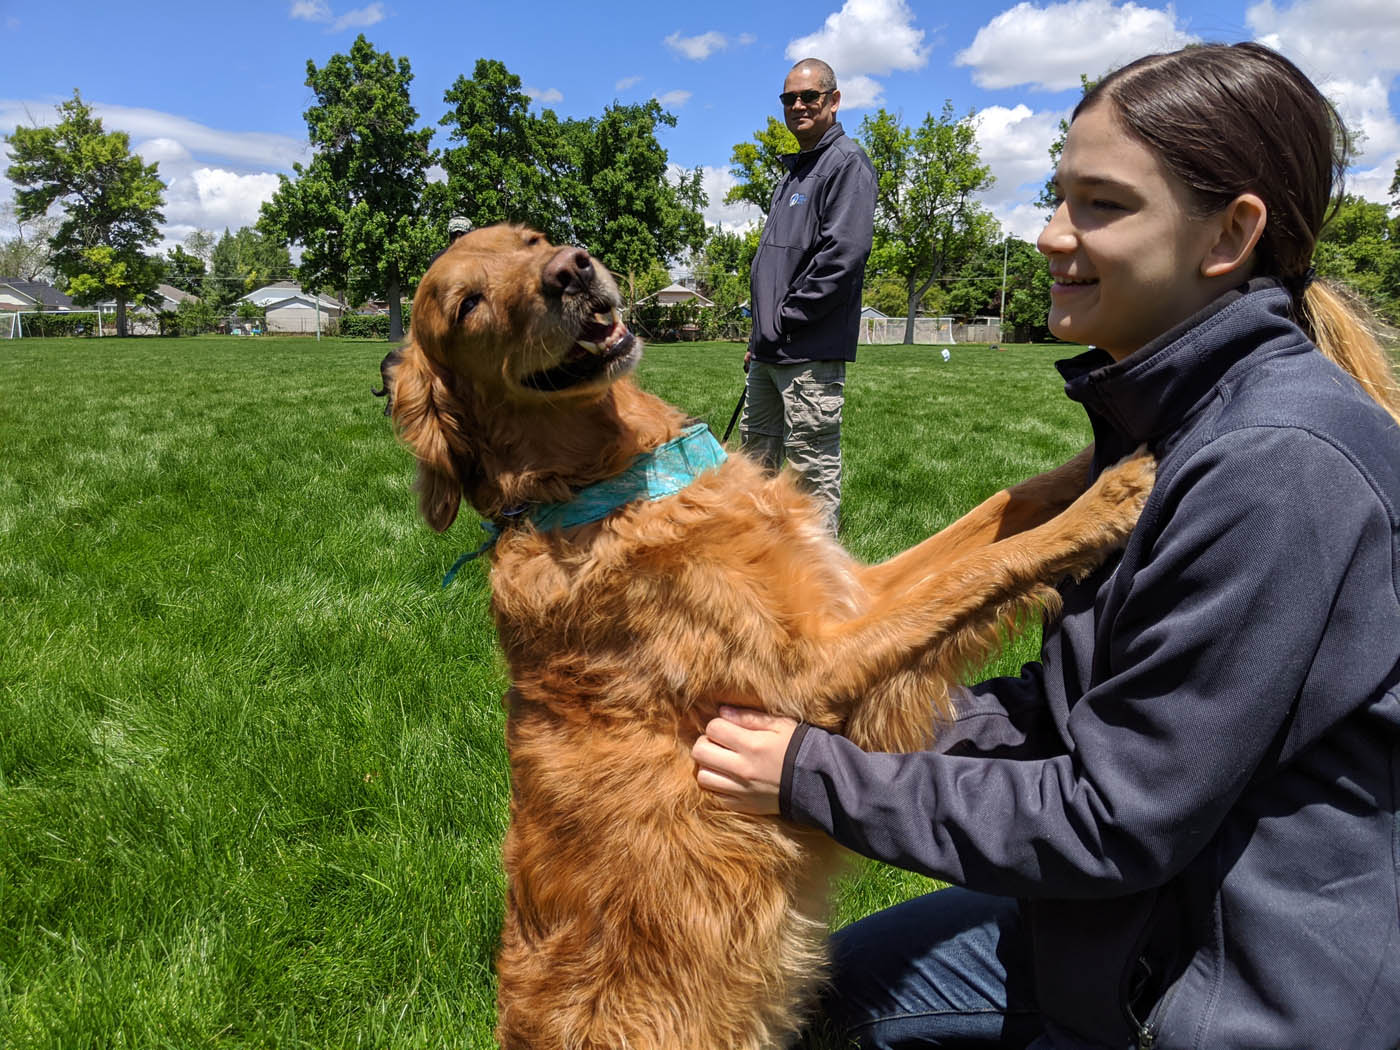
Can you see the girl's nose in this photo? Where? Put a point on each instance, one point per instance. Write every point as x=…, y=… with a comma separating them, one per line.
x=1058, y=235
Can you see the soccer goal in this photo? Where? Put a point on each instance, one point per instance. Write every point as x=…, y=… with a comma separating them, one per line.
x=11, y=327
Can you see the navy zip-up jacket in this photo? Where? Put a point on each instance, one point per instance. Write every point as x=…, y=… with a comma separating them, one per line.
x=1194, y=793
x=806, y=278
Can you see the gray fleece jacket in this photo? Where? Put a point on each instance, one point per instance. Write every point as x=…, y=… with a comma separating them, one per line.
x=1194, y=792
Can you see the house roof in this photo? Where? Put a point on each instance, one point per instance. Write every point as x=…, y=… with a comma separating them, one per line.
x=282, y=291
x=37, y=292
x=676, y=289
x=176, y=295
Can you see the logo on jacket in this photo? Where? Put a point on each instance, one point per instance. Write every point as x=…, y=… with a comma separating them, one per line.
x=797, y=198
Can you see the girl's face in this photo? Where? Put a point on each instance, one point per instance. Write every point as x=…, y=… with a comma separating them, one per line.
x=1125, y=253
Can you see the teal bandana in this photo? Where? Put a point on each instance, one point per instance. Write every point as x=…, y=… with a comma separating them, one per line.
x=653, y=475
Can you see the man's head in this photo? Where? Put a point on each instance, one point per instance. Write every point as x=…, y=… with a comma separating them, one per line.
x=456, y=226
x=811, y=79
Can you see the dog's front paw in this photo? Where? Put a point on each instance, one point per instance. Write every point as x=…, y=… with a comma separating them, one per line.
x=1121, y=491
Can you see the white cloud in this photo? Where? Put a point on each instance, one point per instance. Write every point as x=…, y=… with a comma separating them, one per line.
x=311, y=10
x=627, y=82
x=1050, y=47
x=674, y=98
x=213, y=198
x=1015, y=143
x=547, y=95
x=861, y=92
x=863, y=40
x=213, y=178
x=1351, y=49
x=716, y=182
x=865, y=37
x=697, y=48
x=320, y=12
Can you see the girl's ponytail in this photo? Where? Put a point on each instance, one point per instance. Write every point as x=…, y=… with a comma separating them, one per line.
x=1339, y=324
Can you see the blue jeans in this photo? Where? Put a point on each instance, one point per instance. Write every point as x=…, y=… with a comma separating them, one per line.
x=949, y=969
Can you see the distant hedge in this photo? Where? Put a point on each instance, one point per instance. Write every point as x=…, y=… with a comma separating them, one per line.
x=369, y=326
x=59, y=324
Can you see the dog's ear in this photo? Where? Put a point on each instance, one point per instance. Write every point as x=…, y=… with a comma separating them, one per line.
x=428, y=415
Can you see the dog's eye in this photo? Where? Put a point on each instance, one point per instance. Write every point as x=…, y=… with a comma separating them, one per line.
x=466, y=306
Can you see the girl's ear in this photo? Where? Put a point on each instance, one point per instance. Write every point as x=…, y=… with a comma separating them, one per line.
x=1240, y=225
x=428, y=416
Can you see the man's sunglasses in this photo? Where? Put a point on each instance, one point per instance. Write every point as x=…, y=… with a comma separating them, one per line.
x=809, y=97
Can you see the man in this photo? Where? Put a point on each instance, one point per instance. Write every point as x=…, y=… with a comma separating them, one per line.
x=456, y=226
x=805, y=290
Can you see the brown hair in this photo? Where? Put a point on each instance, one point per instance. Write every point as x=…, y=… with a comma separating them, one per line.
x=1228, y=119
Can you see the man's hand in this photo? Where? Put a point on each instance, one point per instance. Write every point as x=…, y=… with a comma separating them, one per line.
x=748, y=356
x=740, y=758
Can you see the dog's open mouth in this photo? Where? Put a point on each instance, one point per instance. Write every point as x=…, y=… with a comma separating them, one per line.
x=602, y=341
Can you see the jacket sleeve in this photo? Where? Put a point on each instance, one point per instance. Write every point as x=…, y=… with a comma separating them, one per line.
x=844, y=236
x=1201, y=668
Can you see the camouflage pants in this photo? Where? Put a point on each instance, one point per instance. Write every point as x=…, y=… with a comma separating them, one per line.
x=793, y=412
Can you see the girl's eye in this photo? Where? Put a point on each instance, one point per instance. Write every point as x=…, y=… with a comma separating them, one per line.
x=1106, y=205
x=466, y=306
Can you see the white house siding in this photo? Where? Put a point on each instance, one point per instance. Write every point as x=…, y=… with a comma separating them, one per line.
x=298, y=317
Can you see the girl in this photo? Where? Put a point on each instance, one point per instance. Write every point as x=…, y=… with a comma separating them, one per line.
x=1180, y=828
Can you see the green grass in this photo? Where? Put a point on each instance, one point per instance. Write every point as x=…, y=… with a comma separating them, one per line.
x=252, y=779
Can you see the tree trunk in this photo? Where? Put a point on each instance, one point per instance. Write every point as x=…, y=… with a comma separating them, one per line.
x=395, y=305
x=121, y=317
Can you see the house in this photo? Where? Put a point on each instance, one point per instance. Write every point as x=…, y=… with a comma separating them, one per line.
x=869, y=313
x=674, y=294
x=31, y=295
x=289, y=309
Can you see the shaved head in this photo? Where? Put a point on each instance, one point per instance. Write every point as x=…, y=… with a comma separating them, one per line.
x=825, y=75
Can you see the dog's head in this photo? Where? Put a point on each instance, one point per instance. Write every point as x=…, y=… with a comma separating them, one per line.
x=506, y=328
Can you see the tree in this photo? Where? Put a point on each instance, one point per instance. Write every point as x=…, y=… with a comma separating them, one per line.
x=111, y=202
x=510, y=166
x=27, y=255
x=758, y=166
x=243, y=262
x=628, y=212
x=357, y=209
x=926, y=222
x=1360, y=247
x=722, y=266
x=200, y=244
x=183, y=270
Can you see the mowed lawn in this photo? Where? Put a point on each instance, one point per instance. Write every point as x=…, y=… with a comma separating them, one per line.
x=252, y=778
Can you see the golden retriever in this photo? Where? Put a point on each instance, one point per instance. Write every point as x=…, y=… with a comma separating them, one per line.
x=640, y=914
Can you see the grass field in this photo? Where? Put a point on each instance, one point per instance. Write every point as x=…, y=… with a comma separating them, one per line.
x=252, y=781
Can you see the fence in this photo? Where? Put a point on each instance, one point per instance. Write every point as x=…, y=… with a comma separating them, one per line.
x=927, y=330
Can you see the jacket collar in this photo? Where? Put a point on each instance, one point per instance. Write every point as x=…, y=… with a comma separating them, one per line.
x=791, y=160
x=1149, y=393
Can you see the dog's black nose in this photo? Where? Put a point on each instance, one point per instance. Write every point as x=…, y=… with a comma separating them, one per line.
x=571, y=270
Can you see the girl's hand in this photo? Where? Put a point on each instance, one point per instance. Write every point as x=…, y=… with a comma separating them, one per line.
x=740, y=758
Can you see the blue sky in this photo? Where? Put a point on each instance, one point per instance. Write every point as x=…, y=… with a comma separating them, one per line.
x=215, y=93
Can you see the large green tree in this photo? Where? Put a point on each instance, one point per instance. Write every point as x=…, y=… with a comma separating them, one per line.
x=360, y=209
x=111, y=201
x=507, y=164
x=602, y=182
x=927, y=223
x=628, y=212
x=757, y=166
x=1360, y=247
